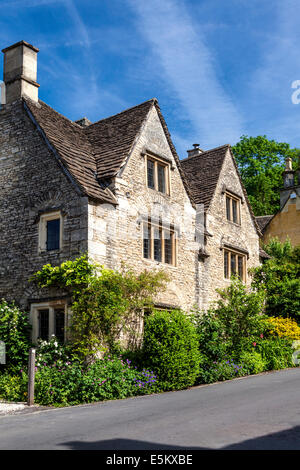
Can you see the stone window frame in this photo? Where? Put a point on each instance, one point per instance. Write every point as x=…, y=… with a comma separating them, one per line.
x=44, y=218
x=162, y=163
x=35, y=308
x=228, y=253
x=152, y=226
x=232, y=197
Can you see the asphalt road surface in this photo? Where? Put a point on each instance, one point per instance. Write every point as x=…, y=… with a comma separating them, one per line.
x=257, y=412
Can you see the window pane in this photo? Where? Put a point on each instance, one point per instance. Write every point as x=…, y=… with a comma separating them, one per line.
x=241, y=267
x=150, y=173
x=168, y=240
x=234, y=211
x=157, y=244
x=147, y=241
x=53, y=230
x=43, y=324
x=59, y=318
x=161, y=178
x=226, y=266
x=228, y=207
x=233, y=263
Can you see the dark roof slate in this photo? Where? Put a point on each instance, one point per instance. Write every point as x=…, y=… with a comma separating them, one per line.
x=263, y=221
x=203, y=172
x=98, y=151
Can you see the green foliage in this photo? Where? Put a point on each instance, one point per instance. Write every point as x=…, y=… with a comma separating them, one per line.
x=170, y=348
x=276, y=353
x=72, y=274
x=72, y=383
x=106, y=303
x=261, y=162
x=52, y=352
x=280, y=278
x=112, y=305
x=225, y=369
x=252, y=362
x=15, y=332
x=13, y=387
x=239, y=312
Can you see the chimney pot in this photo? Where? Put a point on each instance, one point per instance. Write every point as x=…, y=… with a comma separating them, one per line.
x=195, y=151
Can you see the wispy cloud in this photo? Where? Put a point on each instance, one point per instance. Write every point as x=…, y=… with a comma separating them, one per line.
x=187, y=67
x=269, y=88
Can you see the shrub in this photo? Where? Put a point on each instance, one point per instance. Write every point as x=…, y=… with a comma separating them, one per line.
x=252, y=362
x=50, y=352
x=216, y=371
x=13, y=387
x=276, y=353
x=239, y=312
x=280, y=278
x=72, y=383
x=284, y=328
x=15, y=332
x=170, y=348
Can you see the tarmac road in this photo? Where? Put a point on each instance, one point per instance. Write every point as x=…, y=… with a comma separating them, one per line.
x=256, y=412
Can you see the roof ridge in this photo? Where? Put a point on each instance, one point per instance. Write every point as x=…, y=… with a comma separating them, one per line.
x=154, y=100
x=56, y=112
x=205, y=151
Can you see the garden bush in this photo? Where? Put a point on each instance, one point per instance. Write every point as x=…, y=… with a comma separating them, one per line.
x=71, y=383
x=223, y=369
x=15, y=332
x=284, y=328
x=252, y=362
x=170, y=348
x=276, y=353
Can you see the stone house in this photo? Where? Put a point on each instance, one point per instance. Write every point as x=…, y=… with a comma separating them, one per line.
x=114, y=189
x=286, y=222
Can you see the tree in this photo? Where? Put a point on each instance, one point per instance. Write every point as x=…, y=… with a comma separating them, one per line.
x=280, y=277
x=261, y=162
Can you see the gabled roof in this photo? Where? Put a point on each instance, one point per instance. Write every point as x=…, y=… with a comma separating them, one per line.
x=94, y=154
x=263, y=221
x=203, y=173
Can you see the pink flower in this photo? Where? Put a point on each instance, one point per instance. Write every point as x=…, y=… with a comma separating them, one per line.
x=261, y=335
x=254, y=344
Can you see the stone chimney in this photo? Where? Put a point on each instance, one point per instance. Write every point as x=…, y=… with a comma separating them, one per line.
x=84, y=122
x=288, y=174
x=20, y=72
x=195, y=151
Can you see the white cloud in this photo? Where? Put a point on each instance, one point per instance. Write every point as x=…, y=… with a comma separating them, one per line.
x=187, y=66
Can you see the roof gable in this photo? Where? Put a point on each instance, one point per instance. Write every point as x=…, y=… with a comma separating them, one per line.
x=203, y=172
x=94, y=154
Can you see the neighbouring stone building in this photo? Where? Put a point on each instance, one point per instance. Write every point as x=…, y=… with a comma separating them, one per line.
x=286, y=222
x=117, y=190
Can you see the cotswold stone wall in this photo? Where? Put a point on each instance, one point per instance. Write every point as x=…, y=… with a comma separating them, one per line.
x=116, y=234
x=244, y=236
x=32, y=183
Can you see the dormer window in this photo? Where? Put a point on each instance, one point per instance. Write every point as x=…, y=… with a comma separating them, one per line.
x=233, y=212
x=158, y=175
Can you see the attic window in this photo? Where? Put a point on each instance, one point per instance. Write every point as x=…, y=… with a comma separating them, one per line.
x=158, y=175
x=233, y=208
x=50, y=231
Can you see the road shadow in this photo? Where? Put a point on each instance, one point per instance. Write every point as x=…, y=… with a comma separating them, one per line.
x=288, y=439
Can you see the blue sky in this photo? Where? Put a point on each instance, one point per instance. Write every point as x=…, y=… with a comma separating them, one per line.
x=219, y=68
